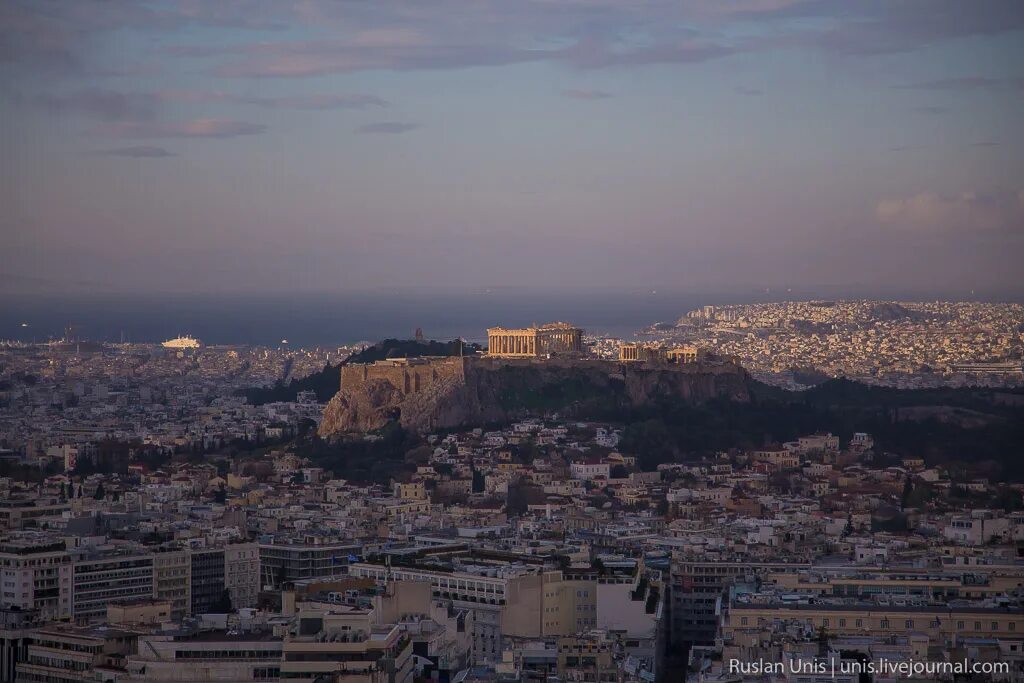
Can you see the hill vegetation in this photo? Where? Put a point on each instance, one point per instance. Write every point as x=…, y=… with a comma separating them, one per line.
x=325, y=382
x=991, y=443
x=674, y=431
x=412, y=348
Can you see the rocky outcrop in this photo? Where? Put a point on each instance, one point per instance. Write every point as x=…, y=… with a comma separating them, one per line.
x=481, y=391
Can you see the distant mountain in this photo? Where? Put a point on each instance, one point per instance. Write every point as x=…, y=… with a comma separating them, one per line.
x=889, y=311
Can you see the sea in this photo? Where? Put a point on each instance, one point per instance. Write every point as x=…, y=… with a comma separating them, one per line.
x=331, y=319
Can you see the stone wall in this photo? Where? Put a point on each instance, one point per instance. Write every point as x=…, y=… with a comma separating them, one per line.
x=408, y=376
x=403, y=389
x=452, y=392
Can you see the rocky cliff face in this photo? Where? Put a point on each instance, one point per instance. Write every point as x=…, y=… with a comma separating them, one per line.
x=498, y=391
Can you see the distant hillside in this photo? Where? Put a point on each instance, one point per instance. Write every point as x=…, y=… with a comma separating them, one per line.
x=326, y=382
x=977, y=430
x=889, y=311
x=850, y=394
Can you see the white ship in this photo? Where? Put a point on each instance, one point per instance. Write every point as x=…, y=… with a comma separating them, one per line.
x=182, y=343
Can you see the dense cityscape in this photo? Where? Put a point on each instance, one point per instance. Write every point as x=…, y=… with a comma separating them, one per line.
x=178, y=512
x=887, y=343
x=512, y=341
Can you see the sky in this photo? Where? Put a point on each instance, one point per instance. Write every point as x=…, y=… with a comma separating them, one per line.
x=301, y=146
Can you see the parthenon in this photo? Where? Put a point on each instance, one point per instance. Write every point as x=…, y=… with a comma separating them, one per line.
x=658, y=353
x=535, y=341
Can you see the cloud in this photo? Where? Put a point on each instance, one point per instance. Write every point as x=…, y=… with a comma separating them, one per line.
x=197, y=128
x=408, y=34
x=106, y=105
x=136, y=152
x=308, y=102
x=968, y=211
x=386, y=128
x=966, y=83
x=586, y=94
x=134, y=112
x=322, y=58
x=599, y=54
x=61, y=38
x=356, y=101
x=874, y=27
x=302, y=59
x=931, y=110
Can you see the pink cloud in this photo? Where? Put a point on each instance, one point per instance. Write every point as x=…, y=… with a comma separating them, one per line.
x=197, y=128
x=970, y=211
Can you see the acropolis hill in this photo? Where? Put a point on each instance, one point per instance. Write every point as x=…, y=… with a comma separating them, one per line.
x=430, y=393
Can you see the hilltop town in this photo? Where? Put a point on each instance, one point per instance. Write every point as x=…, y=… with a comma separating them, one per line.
x=885, y=343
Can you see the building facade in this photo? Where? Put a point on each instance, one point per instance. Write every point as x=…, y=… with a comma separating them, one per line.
x=535, y=342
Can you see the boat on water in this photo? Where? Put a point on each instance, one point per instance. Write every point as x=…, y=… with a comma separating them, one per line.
x=185, y=342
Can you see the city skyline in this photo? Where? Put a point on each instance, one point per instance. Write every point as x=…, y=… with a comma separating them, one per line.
x=298, y=146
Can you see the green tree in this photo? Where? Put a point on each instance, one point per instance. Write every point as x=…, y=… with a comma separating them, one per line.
x=652, y=442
